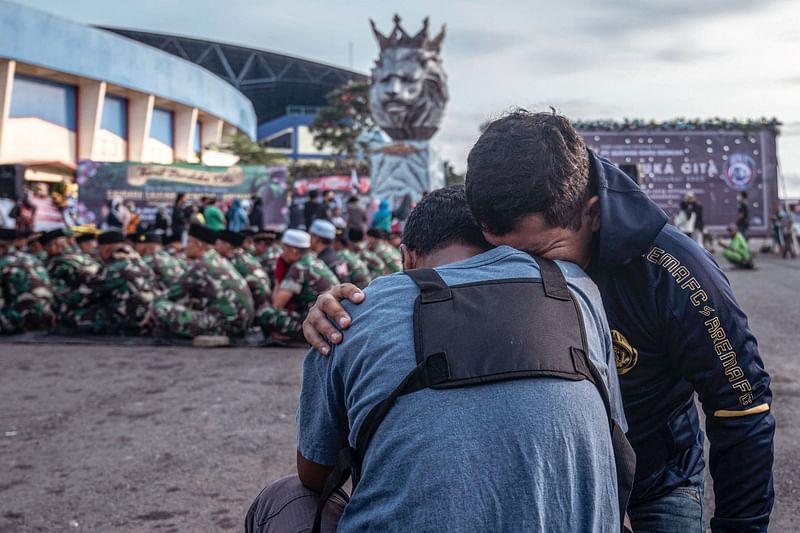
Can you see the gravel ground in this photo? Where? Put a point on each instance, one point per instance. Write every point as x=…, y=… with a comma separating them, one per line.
x=159, y=438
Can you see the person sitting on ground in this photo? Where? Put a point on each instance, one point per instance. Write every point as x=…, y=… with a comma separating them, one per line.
x=377, y=243
x=323, y=233
x=211, y=298
x=267, y=250
x=121, y=294
x=474, y=458
x=737, y=251
x=306, y=278
x=69, y=271
x=230, y=246
x=87, y=244
x=26, y=298
x=357, y=270
x=375, y=264
x=168, y=269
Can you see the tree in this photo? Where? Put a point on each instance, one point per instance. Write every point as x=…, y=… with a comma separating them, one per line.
x=339, y=125
x=249, y=152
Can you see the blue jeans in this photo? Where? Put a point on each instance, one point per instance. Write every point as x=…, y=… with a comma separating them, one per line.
x=679, y=511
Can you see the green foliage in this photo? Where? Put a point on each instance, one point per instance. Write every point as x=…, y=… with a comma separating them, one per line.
x=249, y=152
x=343, y=120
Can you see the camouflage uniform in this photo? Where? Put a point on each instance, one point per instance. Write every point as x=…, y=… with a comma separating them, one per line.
x=359, y=274
x=375, y=264
x=306, y=279
x=390, y=255
x=255, y=276
x=71, y=276
x=269, y=259
x=167, y=268
x=121, y=295
x=24, y=293
x=211, y=298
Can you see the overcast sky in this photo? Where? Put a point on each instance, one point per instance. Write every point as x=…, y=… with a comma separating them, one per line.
x=588, y=58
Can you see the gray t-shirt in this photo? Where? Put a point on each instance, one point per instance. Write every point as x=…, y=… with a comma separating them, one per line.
x=522, y=455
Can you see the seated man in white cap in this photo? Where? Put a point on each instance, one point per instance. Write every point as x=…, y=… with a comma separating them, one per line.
x=323, y=233
x=307, y=277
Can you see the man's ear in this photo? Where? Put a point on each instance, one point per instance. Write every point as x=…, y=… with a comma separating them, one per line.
x=409, y=258
x=591, y=209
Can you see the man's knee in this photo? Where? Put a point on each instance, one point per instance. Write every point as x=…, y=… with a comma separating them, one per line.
x=287, y=505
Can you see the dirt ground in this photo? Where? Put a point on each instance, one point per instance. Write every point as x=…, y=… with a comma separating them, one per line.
x=168, y=439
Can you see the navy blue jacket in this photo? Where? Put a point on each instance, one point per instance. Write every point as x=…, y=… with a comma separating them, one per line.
x=677, y=329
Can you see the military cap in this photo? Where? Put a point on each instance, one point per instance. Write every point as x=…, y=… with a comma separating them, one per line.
x=296, y=238
x=355, y=234
x=266, y=236
x=150, y=237
x=231, y=237
x=110, y=237
x=376, y=233
x=169, y=239
x=84, y=237
x=323, y=228
x=50, y=236
x=247, y=233
x=203, y=233
x=7, y=234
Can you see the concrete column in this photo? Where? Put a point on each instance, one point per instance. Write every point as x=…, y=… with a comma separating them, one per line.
x=185, y=119
x=7, y=68
x=140, y=116
x=91, y=97
x=212, y=130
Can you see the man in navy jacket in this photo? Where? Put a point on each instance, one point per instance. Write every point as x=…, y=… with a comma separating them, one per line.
x=677, y=328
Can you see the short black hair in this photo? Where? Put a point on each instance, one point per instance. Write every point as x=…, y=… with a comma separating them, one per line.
x=313, y=193
x=744, y=194
x=526, y=163
x=440, y=219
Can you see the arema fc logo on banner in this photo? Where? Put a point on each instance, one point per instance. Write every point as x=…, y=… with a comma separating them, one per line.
x=740, y=171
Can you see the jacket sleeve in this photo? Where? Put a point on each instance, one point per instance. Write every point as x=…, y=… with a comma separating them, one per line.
x=711, y=345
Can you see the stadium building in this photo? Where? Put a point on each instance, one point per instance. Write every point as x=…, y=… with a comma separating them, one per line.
x=286, y=91
x=109, y=96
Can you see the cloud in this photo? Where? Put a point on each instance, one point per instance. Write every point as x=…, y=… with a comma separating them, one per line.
x=685, y=55
x=617, y=18
x=470, y=41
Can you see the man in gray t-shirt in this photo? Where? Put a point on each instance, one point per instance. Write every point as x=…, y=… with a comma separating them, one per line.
x=521, y=455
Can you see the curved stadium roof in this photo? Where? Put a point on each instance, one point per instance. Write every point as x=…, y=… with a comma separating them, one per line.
x=272, y=81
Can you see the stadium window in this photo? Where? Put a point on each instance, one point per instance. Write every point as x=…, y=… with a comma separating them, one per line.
x=197, y=142
x=161, y=126
x=48, y=100
x=281, y=141
x=115, y=116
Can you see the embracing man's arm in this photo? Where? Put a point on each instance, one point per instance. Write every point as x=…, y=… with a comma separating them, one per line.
x=318, y=327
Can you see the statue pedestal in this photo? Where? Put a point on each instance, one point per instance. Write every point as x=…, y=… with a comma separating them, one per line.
x=404, y=168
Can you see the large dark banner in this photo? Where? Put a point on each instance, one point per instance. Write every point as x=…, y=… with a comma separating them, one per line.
x=151, y=186
x=714, y=165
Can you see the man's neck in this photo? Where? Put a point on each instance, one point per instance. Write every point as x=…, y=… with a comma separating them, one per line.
x=449, y=254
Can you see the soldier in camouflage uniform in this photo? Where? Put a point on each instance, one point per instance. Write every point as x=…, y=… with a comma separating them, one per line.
x=390, y=255
x=121, y=294
x=229, y=245
x=267, y=250
x=35, y=248
x=306, y=278
x=87, y=244
x=211, y=298
x=25, y=295
x=71, y=274
x=167, y=269
x=173, y=245
x=375, y=264
x=357, y=270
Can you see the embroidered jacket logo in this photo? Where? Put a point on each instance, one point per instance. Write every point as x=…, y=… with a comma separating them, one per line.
x=625, y=355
